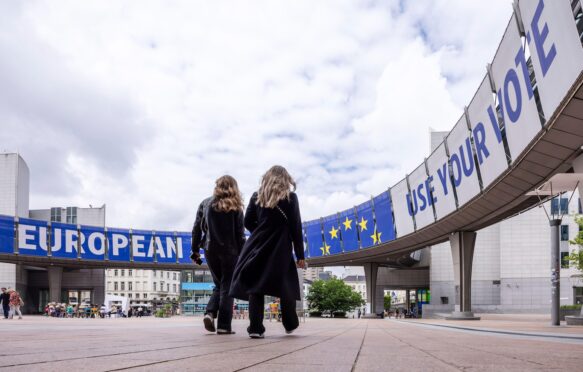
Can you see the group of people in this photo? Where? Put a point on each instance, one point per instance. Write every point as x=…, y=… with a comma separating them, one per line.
x=11, y=303
x=263, y=264
x=62, y=310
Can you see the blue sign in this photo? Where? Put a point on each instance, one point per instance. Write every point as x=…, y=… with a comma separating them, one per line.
x=142, y=246
x=366, y=226
x=348, y=228
x=93, y=243
x=333, y=234
x=165, y=247
x=64, y=240
x=6, y=234
x=384, y=217
x=316, y=246
x=184, y=241
x=118, y=243
x=32, y=237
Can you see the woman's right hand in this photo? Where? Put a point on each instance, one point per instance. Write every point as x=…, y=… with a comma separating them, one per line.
x=301, y=264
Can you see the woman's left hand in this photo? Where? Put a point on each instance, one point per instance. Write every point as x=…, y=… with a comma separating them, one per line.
x=301, y=264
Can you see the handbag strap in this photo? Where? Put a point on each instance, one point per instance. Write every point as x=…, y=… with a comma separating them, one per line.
x=281, y=211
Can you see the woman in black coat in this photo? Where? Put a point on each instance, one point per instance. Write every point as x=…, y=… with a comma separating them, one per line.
x=266, y=265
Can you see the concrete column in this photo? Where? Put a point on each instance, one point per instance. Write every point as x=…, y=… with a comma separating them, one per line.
x=462, y=251
x=55, y=280
x=408, y=300
x=370, y=273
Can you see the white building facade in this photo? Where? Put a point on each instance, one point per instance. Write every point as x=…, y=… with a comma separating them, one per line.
x=143, y=286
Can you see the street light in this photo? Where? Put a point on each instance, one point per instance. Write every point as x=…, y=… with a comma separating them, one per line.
x=556, y=186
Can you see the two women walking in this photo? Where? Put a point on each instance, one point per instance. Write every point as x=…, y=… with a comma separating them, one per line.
x=262, y=265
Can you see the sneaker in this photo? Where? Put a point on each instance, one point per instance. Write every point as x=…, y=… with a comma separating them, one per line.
x=224, y=332
x=209, y=323
x=256, y=335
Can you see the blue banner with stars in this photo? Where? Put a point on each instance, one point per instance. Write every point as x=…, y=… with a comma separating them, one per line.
x=366, y=226
x=314, y=237
x=384, y=217
x=332, y=234
x=348, y=231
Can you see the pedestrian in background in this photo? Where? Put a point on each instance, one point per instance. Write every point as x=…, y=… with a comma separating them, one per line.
x=5, y=299
x=15, y=304
x=266, y=265
x=219, y=229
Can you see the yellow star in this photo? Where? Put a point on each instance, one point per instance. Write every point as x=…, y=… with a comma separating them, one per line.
x=334, y=232
x=362, y=224
x=325, y=249
x=347, y=224
x=376, y=237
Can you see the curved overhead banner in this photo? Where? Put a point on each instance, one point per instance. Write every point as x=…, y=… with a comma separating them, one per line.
x=366, y=226
x=402, y=208
x=142, y=246
x=64, y=240
x=348, y=230
x=333, y=234
x=461, y=159
x=514, y=91
x=6, y=234
x=118, y=243
x=555, y=48
x=32, y=237
x=316, y=246
x=384, y=217
x=93, y=243
x=486, y=134
x=183, y=244
x=166, y=249
x=438, y=170
x=421, y=197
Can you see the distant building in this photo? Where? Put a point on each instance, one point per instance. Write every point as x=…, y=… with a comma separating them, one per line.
x=313, y=273
x=357, y=283
x=143, y=286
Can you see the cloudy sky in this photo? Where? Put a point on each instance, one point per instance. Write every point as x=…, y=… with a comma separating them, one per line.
x=143, y=104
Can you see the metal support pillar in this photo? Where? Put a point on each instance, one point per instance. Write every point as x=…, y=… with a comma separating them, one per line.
x=462, y=251
x=371, y=270
x=55, y=280
x=555, y=272
x=408, y=300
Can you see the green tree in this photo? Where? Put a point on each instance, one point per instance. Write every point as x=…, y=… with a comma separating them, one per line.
x=333, y=296
x=576, y=256
x=387, y=302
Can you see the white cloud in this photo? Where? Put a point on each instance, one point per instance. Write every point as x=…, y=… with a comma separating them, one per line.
x=141, y=105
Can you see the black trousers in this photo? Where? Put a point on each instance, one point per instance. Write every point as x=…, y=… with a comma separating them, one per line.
x=6, y=310
x=289, y=317
x=220, y=304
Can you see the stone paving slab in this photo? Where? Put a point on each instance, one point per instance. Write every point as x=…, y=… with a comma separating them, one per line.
x=181, y=343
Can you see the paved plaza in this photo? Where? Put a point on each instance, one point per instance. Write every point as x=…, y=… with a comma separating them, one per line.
x=180, y=343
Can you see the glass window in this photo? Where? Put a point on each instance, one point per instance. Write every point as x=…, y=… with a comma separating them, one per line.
x=167, y=274
x=564, y=205
x=565, y=260
x=145, y=295
x=167, y=287
x=564, y=233
x=123, y=286
x=580, y=208
x=174, y=288
x=137, y=295
x=130, y=285
x=55, y=214
x=115, y=286
x=115, y=272
x=555, y=206
x=123, y=272
x=129, y=295
x=130, y=273
x=154, y=286
x=154, y=273
x=174, y=276
x=72, y=215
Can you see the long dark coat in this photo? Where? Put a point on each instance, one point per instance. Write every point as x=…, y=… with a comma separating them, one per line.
x=266, y=264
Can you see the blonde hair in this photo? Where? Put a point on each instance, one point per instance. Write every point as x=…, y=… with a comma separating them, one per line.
x=226, y=196
x=276, y=185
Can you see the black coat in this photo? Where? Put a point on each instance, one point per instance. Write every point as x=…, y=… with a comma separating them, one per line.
x=266, y=265
x=5, y=299
x=220, y=232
